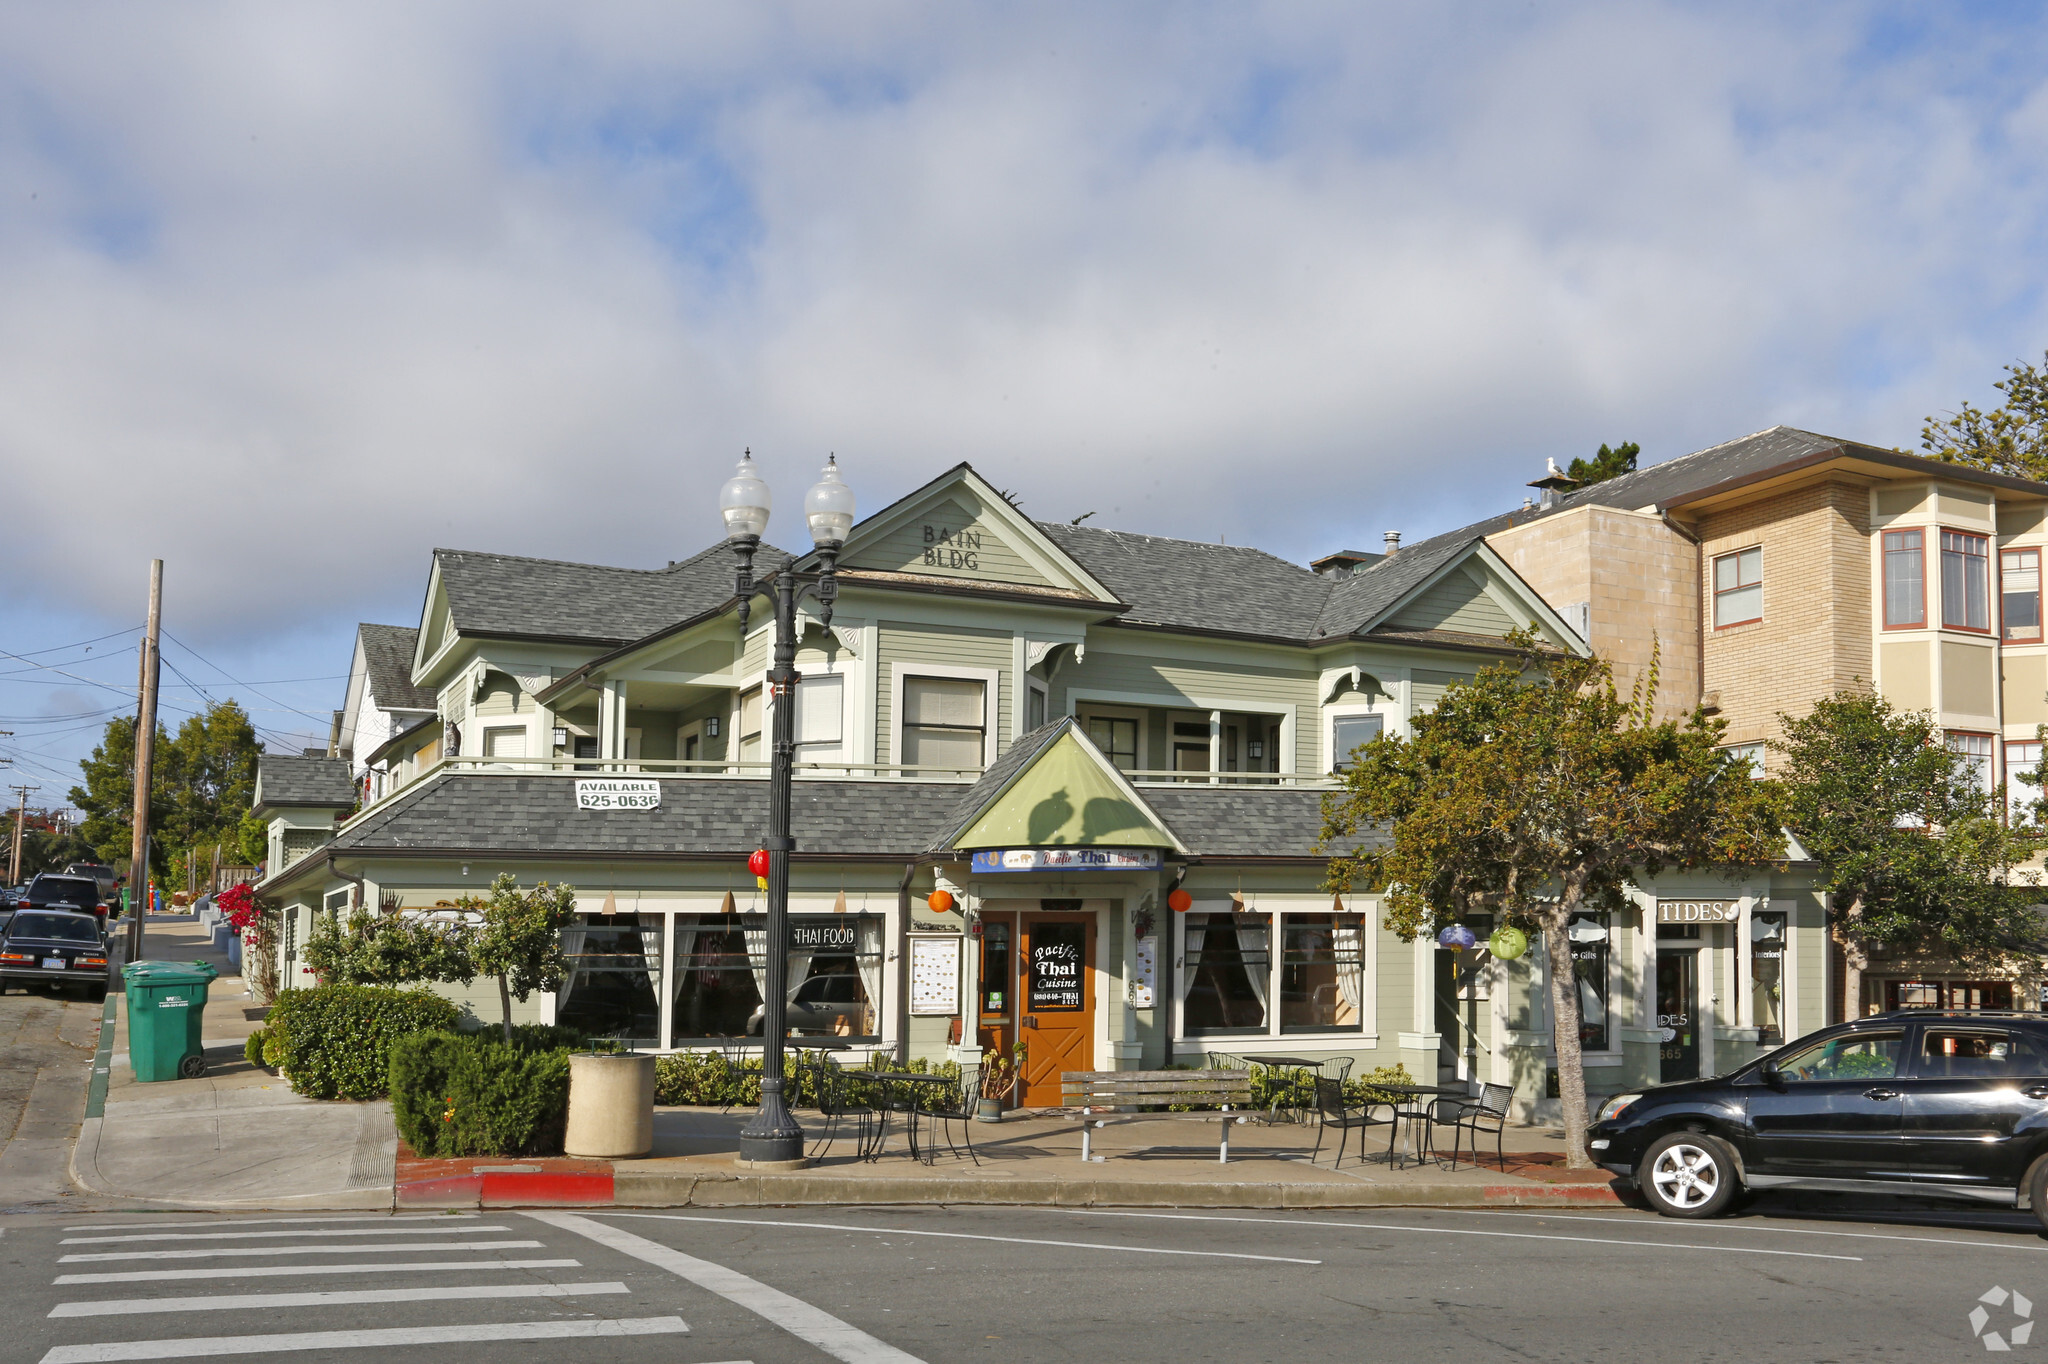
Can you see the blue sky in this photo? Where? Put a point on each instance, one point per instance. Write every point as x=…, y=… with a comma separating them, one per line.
x=295, y=294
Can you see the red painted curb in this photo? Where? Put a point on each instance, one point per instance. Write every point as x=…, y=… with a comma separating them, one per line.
x=504, y=1189
x=1561, y=1193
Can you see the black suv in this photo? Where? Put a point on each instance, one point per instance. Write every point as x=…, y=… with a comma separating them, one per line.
x=1950, y=1104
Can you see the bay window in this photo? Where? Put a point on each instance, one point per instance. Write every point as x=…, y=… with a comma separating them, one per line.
x=2019, y=595
x=1965, y=585
x=1905, y=580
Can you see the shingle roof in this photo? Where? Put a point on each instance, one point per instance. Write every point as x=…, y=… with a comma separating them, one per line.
x=504, y=595
x=322, y=781
x=1242, y=821
x=1192, y=585
x=1013, y=760
x=387, y=658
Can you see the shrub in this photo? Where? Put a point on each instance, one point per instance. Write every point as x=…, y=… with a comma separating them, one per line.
x=334, y=1041
x=710, y=1080
x=252, y=1049
x=475, y=1094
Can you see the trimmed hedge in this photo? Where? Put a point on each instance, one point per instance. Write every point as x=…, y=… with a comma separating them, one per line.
x=473, y=1094
x=334, y=1041
x=708, y=1079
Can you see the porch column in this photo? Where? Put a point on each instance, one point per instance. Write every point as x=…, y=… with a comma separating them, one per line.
x=611, y=719
x=1215, y=745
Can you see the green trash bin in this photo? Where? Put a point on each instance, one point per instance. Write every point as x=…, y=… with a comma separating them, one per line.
x=166, y=1005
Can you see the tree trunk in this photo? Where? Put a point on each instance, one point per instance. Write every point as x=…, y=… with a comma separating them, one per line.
x=1854, y=958
x=1565, y=1022
x=505, y=1003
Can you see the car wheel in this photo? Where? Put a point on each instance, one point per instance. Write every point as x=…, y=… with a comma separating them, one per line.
x=2037, y=1190
x=1688, y=1174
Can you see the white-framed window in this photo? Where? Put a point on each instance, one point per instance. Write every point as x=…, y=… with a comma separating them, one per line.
x=1965, y=581
x=1751, y=754
x=505, y=741
x=1976, y=749
x=1035, y=704
x=1274, y=972
x=2022, y=758
x=1739, y=587
x=944, y=717
x=2019, y=595
x=1349, y=729
x=748, y=728
x=820, y=719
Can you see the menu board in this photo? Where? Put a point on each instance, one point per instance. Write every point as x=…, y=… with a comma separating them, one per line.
x=1144, y=972
x=1055, y=969
x=935, y=975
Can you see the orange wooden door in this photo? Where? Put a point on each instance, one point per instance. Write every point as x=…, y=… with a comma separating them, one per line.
x=1056, y=1002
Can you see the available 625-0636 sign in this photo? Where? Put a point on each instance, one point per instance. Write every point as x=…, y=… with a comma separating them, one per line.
x=614, y=793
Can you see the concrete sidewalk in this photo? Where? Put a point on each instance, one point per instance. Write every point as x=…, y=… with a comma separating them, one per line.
x=237, y=1137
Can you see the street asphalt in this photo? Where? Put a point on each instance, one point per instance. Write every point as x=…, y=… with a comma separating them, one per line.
x=886, y=1285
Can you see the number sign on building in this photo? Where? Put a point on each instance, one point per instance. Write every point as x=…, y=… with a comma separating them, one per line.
x=617, y=794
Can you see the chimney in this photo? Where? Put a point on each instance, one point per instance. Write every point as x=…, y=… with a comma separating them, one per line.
x=1554, y=484
x=1393, y=543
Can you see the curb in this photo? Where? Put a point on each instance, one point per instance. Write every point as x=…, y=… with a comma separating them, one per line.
x=627, y=1187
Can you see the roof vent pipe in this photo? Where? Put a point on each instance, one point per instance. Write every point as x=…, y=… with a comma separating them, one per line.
x=1393, y=543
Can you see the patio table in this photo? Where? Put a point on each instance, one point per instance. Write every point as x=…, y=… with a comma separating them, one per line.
x=916, y=1082
x=1417, y=1147
x=1300, y=1105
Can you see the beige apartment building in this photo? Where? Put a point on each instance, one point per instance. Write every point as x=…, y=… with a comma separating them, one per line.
x=1779, y=568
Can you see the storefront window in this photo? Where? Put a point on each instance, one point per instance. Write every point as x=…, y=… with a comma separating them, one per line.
x=613, y=985
x=1226, y=969
x=996, y=967
x=1589, y=935
x=1322, y=973
x=1948, y=994
x=1767, y=975
x=835, y=976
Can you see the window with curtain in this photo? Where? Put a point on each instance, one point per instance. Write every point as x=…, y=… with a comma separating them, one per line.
x=1590, y=936
x=1767, y=975
x=721, y=971
x=1905, y=579
x=1117, y=737
x=2019, y=595
x=506, y=742
x=1347, y=733
x=1322, y=973
x=1975, y=749
x=751, y=747
x=1226, y=967
x=1739, y=587
x=820, y=718
x=1965, y=589
x=945, y=722
x=2022, y=759
x=613, y=986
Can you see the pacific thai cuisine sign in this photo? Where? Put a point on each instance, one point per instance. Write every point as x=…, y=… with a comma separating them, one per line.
x=1056, y=975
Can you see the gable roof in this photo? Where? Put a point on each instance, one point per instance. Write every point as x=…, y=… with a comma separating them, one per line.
x=509, y=597
x=324, y=783
x=387, y=659
x=1192, y=585
x=1053, y=788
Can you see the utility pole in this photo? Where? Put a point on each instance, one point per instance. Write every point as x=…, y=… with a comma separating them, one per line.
x=145, y=761
x=20, y=818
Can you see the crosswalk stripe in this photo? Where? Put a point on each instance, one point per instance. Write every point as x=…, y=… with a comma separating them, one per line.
x=412, y=1246
x=279, y=1271
x=272, y=1235
x=381, y=1338
x=279, y=1221
x=121, y=1307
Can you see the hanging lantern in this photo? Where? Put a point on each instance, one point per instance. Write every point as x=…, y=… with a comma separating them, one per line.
x=757, y=861
x=1508, y=942
x=1179, y=901
x=1457, y=937
x=941, y=901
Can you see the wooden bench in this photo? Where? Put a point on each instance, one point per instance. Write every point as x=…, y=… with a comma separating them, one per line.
x=1107, y=1096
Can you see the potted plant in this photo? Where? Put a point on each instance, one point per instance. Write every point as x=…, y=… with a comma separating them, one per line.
x=1000, y=1076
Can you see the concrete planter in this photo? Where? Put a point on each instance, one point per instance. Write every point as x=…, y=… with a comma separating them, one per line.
x=611, y=1106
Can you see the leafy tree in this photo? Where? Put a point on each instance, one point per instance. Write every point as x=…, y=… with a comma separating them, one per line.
x=1605, y=464
x=520, y=941
x=201, y=789
x=1534, y=792
x=42, y=849
x=2012, y=439
x=1913, y=850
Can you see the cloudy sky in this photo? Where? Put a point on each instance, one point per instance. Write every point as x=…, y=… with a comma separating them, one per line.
x=295, y=293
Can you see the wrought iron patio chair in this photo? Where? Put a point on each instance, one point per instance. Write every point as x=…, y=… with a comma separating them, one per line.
x=1331, y=1112
x=830, y=1086
x=1486, y=1113
x=951, y=1104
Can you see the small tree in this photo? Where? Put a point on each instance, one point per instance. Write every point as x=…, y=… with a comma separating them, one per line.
x=1605, y=464
x=1911, y=845
x=389, y=949
x=2012, y=439
x=520, y=940
x=1534, y=792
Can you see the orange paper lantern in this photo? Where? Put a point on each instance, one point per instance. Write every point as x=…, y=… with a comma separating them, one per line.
x=1179, y=901
x=941, y=901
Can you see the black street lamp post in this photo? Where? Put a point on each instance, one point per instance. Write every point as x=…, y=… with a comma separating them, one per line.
x=772, y=1135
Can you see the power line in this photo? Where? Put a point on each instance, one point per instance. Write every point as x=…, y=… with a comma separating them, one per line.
x=59, y=648
x=316, y=719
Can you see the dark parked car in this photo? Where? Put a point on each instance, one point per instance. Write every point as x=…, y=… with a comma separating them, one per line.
x=54, y=891
x=1949, y=1104
x=108, y=878
x=55, y=946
